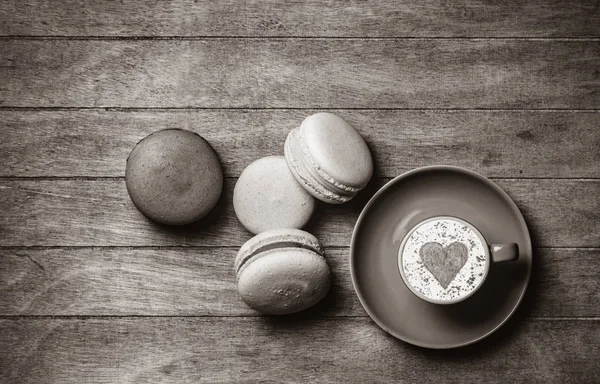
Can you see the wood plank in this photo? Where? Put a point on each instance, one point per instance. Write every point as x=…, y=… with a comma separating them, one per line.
x=176, y=350
x=303, y=73
x=201, y=282
x=425, y=18
x=497, y=143
x=100, y=213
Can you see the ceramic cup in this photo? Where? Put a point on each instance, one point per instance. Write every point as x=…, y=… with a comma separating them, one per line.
x=444, y=260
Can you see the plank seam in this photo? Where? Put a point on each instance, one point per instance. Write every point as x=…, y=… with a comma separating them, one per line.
x=191, y=247
x=251, y=109
x=85, y=317
x=122, y=178
x=292, y=37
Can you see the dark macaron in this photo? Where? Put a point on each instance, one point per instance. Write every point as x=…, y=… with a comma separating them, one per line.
x=174, y=177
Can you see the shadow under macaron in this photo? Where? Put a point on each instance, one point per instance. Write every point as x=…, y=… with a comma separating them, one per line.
x=326, y=214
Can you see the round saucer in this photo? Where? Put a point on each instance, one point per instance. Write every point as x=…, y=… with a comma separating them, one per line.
x=388, y=217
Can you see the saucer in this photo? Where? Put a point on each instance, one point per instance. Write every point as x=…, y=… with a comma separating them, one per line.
x=388, y=217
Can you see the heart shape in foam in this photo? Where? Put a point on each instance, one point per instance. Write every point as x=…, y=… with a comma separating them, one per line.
x=444, y=263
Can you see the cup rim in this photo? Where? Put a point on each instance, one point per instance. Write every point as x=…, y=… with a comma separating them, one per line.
x=421, y=296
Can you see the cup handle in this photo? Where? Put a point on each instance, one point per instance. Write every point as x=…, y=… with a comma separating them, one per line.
x=504, y=252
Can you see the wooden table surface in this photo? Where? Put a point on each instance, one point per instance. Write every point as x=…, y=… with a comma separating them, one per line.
x=92, y=292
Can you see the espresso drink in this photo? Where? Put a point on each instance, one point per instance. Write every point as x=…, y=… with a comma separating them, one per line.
x=443, y=260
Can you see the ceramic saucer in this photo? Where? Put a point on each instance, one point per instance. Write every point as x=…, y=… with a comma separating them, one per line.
x=388, y=217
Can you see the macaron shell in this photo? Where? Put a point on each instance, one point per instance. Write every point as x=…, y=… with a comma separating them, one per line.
x=284, y=281
x=315, y=185
x=338, y=149
x=174, y=177
x=267, y=196
x=281, y=238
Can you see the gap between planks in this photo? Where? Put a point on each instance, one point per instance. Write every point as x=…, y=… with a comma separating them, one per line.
x=258, y=316
x=384, y=179
x=245, y=109
x=275, y=37
x=192, y=247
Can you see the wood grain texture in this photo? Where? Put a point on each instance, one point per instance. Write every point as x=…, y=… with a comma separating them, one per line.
x=425, y=18
x=563, y=213
x=201, y=282
x=383, y=57
x=303, y=73
x=275, y=350
x=496, y=143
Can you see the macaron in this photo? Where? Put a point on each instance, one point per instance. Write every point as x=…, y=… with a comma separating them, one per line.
x=329, y=158
x=282, y=271
x=267, y=196
x=174, y=177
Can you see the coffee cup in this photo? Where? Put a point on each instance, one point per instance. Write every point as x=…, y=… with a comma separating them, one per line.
x=445, y=260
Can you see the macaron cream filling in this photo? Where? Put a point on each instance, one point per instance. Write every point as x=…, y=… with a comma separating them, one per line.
x=268, y=251
x=263, y=247
x=317, y=171
x=306, y=169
